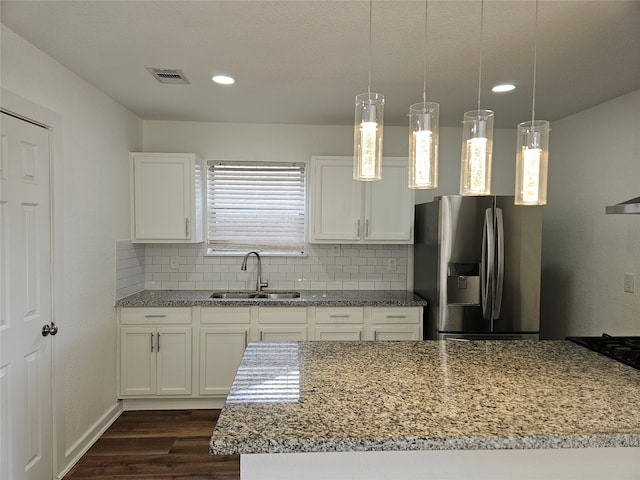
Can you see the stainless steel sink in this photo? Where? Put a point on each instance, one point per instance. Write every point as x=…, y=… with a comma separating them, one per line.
x=255, y=295
x=234, y=295
x=279, y=295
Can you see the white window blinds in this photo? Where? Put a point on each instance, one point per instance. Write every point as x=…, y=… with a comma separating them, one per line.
x=256, y=206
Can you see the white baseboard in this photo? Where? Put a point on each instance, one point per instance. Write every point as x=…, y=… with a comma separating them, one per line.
x=78, y=449
x=131, y=404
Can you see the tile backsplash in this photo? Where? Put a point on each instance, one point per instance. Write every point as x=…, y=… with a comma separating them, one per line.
x=130, y=268
x=325, y=267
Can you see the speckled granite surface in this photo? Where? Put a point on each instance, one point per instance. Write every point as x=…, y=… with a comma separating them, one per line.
x=372, y=396
x=187, y=298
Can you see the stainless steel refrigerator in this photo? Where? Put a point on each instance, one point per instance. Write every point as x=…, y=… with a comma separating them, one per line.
x=477, y=263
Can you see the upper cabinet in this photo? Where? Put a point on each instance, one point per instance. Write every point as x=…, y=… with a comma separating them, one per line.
x=344, y=210
x=166, y=198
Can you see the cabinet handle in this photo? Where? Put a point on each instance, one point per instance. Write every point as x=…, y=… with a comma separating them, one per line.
x=154, y=316
x=359, y=335
x=152, y=342
x=339, y=315
x=261, y=335
x=158, y=342
x=366, y=228
x=396, y=316
x=375, y=335
x=358, y=228
x=246, y=339
x=186, y=227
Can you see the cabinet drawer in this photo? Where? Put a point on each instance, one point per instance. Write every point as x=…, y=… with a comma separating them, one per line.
x=339, y=315
x=395, y=315
x=154, y=315
x=228, y=315
x=282, y=315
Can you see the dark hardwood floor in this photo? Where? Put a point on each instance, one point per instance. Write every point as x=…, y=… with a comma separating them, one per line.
x=157, y=445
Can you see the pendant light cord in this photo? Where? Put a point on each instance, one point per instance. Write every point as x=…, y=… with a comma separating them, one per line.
x=370, y=43
x=535, y=66
x=424, y=81
x=480, y=67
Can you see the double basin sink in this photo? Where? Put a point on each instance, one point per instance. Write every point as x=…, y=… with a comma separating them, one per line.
x=254, y=295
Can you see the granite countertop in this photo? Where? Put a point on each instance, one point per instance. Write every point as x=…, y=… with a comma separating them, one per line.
x=327, y=298
x=374, y=396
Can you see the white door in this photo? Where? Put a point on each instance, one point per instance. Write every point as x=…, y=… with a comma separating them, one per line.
x=389, y=205
x=162, y=188
x=221, y=350
x=26, y=440
x=137, y=361
x=337, y=201
x=173, y=352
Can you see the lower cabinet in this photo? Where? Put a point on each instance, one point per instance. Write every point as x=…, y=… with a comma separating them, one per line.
x=395, y=323
x=338, y=323
x=221, y=349
x=224, y=333
x=155, y=361
x=190, y=353
x=281, y=324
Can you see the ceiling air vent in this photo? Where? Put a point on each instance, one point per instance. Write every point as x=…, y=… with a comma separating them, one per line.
x=168, y=75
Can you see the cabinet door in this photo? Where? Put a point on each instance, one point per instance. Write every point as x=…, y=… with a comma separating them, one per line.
x=173, y=348
x=161, y=197
x=396, y=332
x=388, y=204
x=336, y=203
x=338, y=332
x=137, y=361
x=285, y=333
x=221, y=349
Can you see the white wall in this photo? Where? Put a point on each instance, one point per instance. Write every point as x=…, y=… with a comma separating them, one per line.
x=359, y=268
x=594, y=161
x=295, y=143
x=91, y=201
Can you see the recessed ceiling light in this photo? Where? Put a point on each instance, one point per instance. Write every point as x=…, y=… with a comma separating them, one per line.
x=223, y=79
x=503, y=87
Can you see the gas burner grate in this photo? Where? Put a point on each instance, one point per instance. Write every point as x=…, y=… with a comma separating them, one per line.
x=623, y=349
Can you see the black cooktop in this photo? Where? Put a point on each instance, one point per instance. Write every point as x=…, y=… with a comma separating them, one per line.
x=623, y=349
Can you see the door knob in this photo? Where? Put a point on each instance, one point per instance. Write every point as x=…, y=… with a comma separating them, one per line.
x=49, y=329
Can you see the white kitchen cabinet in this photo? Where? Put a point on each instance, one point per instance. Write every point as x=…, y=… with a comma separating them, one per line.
x=200, y=347
x=394, y=323
x=167, y=198
x=347, y=211
x=277, y=324
x=155, y=361
x=155, y=351
x=221, y=349
x=224, y=334
x=338, y=323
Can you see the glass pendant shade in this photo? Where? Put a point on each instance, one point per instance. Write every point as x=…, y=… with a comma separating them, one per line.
x=423, y=145
x=477, y=146
x=532, y=162
x=367, y=145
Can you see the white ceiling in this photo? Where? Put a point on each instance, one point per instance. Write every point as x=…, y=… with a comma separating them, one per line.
x=303, y=61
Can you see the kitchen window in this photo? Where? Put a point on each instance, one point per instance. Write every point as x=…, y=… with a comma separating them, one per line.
x=256, y=206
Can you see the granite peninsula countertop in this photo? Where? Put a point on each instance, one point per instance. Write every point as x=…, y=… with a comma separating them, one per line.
x=293, y=397
x=327, y=298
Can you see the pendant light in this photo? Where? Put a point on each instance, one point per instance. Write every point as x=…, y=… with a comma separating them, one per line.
x=532, y=149
x=423, y=133
x=477, y=142
x=368, y=130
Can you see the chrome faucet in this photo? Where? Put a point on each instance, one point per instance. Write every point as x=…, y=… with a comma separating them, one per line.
x=259, y=283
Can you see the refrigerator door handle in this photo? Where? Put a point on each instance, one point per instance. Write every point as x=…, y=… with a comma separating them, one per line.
x=499, y=283
x=487, y=268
